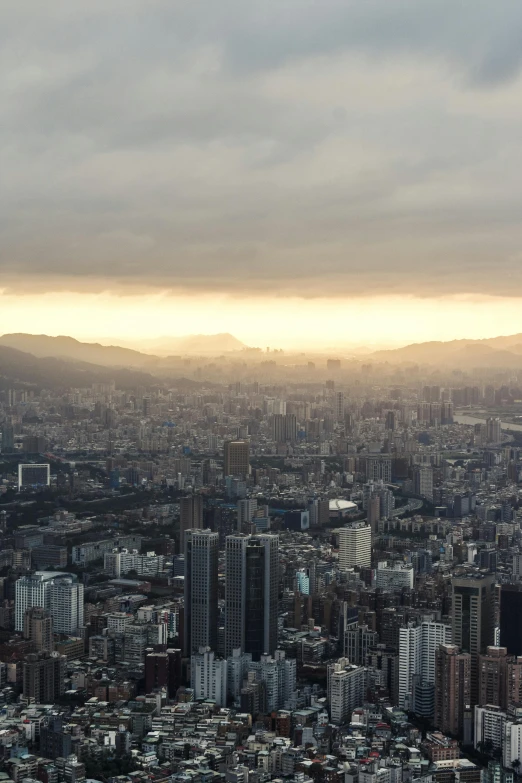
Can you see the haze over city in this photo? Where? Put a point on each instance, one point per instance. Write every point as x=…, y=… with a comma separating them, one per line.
x=260, y=391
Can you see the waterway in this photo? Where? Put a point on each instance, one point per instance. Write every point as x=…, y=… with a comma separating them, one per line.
x=471, y=420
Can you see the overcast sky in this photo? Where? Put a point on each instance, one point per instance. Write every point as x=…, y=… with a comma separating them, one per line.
x=327, y=148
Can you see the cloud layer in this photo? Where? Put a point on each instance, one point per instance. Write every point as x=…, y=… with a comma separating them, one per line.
x=320, y=148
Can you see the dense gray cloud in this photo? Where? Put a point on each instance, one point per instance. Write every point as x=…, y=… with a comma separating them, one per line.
x=326, y=147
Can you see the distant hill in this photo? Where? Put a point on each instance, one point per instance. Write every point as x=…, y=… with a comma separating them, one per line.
x=41, y=345
x=492, y=352
x=53, y=373
x=194, y=344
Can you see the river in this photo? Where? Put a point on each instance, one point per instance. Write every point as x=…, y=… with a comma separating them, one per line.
x=464, y=419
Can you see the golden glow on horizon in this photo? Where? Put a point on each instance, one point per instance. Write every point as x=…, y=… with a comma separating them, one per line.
x=262, y=321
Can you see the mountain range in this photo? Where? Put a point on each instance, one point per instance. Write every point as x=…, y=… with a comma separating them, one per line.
x=41, y=345
x=463, y=354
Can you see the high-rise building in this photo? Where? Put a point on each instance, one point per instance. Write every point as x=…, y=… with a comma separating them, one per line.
x=44, y=677
x=355, y=546
x=418, y=644
x=494, y=430
x=251, y=592
x=339, y=406
x=208, y=676
x=379, y=468
x=358, y=641
x=246, y=511
x=452, y=692
x=8, y=440
x=237, y=667
x=163, y=669
x=473, y=601
x=319, y=512
x=236, y=458
x=493, y=677
x=190, y=516
x=201, y=590
x=38, y=628
x=60, y=593
x=391, y=421
x=512, y=746
x=423, y=481
x=277, y=424
x=489, y=722
x=278, y=673
x=346, y=689
x=511, y=618
x=66, y=604
x=284, y=427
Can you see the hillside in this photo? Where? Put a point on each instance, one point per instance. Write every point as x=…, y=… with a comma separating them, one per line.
x=465, y=354
x=53, y=373
x=195, y=344
x=41, y=345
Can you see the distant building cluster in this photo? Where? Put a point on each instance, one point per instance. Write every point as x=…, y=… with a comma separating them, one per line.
x=295, y=575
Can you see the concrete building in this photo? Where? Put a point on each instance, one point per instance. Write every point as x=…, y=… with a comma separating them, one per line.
x=251, y=593
x=346, y=690
x=395, y=576
x=489, y=724
x=38, y=628
x=44, y=677
x=208, y=676
x=452, y=694
x=201, y=590
x=355, y=546
x=236, y=458
x=493, y=677
x=60, y=593
x=473, y=599
x=418, y=644
x=278, y=673
x=190, y=516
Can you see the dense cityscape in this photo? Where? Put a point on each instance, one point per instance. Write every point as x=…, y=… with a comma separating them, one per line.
x=260, y=391
x=307, y=571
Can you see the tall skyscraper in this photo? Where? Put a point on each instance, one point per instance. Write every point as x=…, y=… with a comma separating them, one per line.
x=38, y=628
x=190, y=516
x=201, y=590
x=339, y=406
x=251, y=592
x=236, y=458
x=473, y=619
x=511, y=618
x=452, y=692
x=355, y=545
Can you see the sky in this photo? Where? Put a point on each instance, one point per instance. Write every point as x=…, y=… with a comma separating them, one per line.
x=309, y=171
